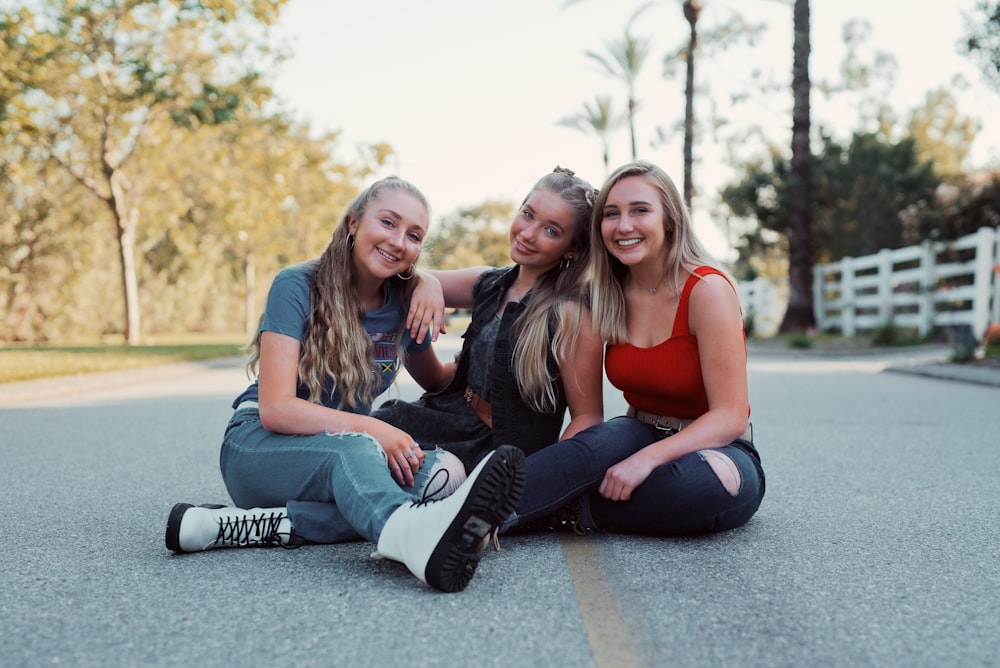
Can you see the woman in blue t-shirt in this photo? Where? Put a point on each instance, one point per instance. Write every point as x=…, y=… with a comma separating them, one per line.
x=301, y=438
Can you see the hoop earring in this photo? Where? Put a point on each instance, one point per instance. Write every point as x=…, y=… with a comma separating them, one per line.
x=406, y=278
x=350, y=242
x=566, y=262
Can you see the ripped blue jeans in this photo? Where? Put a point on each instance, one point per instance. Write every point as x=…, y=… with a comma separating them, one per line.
x=336, y=487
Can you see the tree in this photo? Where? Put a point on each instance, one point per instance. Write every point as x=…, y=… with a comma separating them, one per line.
x=709, y=43
x=954, y=211
x=227, y=186
x=857, y=196
x=868, y=76
x=982, y=41
x=474, y=236
x=119, y=70
x=799, y=316
x=692, y=9
x=860, y=190
x=624, y=61
x=628, y=55
x=942, y=134
x=598, y=119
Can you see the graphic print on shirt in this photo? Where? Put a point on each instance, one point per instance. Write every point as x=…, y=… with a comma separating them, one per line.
x=384, y=352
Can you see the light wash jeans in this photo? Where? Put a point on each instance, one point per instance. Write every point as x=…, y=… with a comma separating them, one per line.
x=336, y=487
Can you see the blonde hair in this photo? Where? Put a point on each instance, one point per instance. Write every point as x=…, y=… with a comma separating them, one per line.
x=336, y=344
x=551, y=321
x=684, y=250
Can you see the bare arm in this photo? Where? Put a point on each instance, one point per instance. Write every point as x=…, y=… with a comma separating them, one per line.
x=457, y=284
x=436, y=289
x=429, y=371
x=283, y=412
x=714, y=318
x=583, y=377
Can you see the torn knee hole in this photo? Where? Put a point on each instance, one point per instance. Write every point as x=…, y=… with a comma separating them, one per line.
x=724, y=468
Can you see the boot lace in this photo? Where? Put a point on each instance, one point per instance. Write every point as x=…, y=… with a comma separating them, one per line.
x=253, y=530
x=440, y=478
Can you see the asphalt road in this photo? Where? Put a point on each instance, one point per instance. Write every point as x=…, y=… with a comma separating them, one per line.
x=876, y=544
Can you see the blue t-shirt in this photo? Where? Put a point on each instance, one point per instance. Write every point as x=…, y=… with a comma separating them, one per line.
x=287, y=312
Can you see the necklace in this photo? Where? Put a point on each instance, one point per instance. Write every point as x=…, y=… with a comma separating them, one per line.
x=653, y=289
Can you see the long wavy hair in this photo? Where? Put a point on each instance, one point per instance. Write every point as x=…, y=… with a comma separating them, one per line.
x=684, y=250
x=336, y=345
x=551, y=322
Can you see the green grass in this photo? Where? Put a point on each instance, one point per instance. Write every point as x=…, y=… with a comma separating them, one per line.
x=20, y=363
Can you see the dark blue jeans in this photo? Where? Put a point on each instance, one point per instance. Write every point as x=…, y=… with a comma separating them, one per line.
x=683, y=497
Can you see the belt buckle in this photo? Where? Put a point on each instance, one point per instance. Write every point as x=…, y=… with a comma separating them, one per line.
x=663, y=426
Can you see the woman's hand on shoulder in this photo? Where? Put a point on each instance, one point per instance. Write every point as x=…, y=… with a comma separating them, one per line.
x=436, y=289
x=426, y=312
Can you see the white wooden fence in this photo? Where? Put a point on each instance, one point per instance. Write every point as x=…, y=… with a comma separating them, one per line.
x=932, y=285
x=935, y=284
x=764, y=302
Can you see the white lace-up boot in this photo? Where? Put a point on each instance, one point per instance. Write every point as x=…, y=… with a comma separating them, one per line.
x=193, y=529
x=440, y=540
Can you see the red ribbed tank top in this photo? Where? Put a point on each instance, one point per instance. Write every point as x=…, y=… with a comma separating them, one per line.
x=665, y=379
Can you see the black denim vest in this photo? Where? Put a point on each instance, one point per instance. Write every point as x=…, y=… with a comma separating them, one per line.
x=514, y=422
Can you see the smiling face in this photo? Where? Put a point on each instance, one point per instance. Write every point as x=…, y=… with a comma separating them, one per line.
x=542, y=233
x=632, y=223
x=389, y=234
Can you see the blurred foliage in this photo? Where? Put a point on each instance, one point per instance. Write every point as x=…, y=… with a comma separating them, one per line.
x=144, y=131
x=878, y=189
x=954, y=210
x=476, y=236
x=982, y=40
x=858, y=192
x=150, y=179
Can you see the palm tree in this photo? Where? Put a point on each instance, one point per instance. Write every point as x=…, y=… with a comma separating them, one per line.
x=599, y=119
x=701, y=43
x=624, y=60
x=692, y=9
x=799, y=316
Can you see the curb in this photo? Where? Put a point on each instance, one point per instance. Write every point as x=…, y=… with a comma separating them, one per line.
x=13, y=395
x=961, y=373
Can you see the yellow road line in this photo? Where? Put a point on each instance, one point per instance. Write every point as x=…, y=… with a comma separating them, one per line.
x=610, y=638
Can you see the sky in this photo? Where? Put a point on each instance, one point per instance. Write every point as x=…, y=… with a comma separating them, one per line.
x=470, y=94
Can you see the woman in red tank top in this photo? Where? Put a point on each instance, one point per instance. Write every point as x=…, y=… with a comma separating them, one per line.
x=683, y=460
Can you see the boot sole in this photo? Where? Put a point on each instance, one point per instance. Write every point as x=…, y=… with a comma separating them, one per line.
x=173, y=535
x=493, y=497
